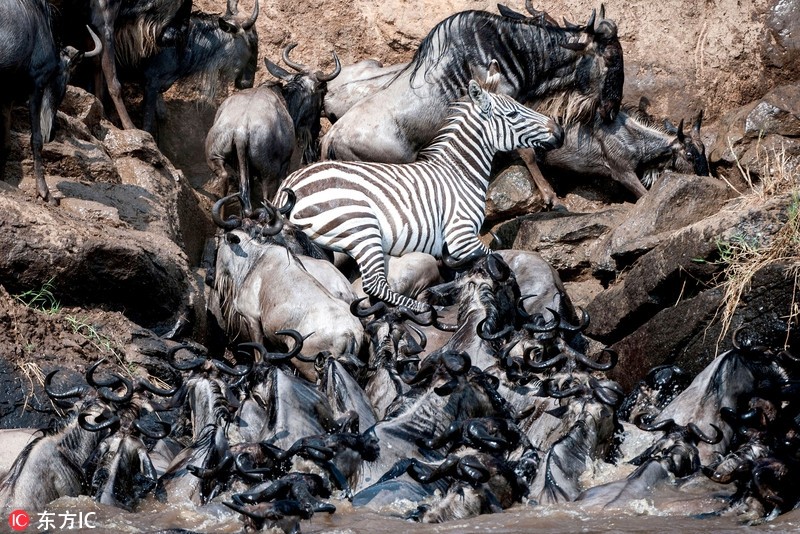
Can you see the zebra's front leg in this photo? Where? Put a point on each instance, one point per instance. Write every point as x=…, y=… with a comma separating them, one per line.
x=372, y=263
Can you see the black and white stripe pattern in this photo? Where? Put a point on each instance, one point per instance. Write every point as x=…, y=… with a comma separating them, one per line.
x=368, y=210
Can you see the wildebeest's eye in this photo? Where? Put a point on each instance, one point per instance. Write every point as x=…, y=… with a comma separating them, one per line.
x=689, y=156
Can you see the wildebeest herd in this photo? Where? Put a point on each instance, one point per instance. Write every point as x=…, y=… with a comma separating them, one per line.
x=370, y=347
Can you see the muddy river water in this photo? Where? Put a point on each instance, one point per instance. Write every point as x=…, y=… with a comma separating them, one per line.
x=670, y=511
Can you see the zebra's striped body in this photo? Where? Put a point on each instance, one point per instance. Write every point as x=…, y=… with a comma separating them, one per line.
x=368, y=210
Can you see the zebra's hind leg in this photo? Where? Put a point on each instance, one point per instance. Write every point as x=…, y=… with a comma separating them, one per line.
x=372, y=263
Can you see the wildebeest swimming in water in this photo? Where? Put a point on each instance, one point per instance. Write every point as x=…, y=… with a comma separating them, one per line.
x=455, y=440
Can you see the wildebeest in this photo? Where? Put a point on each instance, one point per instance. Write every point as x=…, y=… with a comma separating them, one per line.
x=261, y=288
x=132, y=30
x=32, y=67
x=355, y=83
x=263, y=132
x=216, y=50
x=576, y=70
x=631, y=150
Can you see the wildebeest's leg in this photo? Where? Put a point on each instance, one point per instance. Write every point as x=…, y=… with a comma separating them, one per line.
x=219, y=185
x=35, y=106
x=545, y=189
x=629, y=179
x=108, y=13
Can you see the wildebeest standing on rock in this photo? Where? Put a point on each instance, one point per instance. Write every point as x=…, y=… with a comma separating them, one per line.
x=568, y=72
x=216, y=50
x=266, y=130
x=132, y=30
x=32, y=67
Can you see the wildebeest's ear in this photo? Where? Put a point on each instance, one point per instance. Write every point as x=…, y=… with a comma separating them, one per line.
x=277, y=71
x=479, y=96
x=510, y=13
x=227, y=26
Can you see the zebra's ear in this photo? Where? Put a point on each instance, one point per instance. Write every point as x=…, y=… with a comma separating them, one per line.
x=479, y=97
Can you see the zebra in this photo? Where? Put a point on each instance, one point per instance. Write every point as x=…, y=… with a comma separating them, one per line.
x=435, y=204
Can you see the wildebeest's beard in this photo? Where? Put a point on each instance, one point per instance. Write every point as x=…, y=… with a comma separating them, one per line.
x=611, y=92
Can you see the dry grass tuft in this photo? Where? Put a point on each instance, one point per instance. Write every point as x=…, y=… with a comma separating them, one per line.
x=744, y=256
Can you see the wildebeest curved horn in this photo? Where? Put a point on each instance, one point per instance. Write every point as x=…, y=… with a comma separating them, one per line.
x=602, y=13
x=544, y=365
x=97, y=383
x=664, y=425
x=680, y=134
x=246, y=25
x=730, y=416
x=566, y=326
x=544, y=329
x=597, y=366
x=608, y=392
x=702, y=436
x=444, y=327
x=337, y=68
x=98, y=46
x=275, y=224
x=455, y=264
x=186, y=366
x=232, y=222
x=483, y=331
x=161, y=392
x=556, y=393
x=232, y=7
x=211, y=472
x=521, y=311
x=405, y=312
x=165, y=429
x=267, y=356
x=77, y=391
x=425, y=370
x=83, y=421
x=291, y=199
x=498, y=268
x=423, y=339
x=299, y=67
x=376, y=308
x=254, y=474
x=239, y=370
x=107, y=394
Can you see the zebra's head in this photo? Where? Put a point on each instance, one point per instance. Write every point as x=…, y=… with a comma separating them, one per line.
x=510, y=125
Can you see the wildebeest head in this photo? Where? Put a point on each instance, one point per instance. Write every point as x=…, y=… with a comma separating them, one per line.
x=602, y=64
x=599, y=69
x=304, y=93
x=690, y=158
x=247, y=47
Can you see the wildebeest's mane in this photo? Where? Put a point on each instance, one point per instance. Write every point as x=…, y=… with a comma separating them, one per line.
x=454, y=44
x=636, y=113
